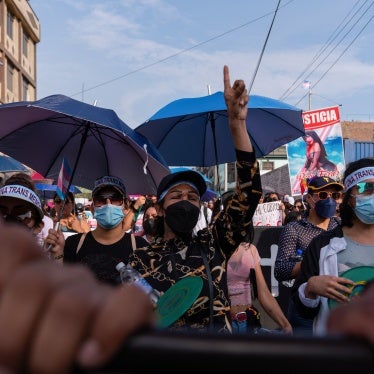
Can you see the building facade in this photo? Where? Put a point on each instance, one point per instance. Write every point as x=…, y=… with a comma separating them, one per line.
x=19, y=36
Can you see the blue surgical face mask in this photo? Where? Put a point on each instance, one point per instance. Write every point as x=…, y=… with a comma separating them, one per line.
x=364, y=209
x=109, y=216
x=325, y=208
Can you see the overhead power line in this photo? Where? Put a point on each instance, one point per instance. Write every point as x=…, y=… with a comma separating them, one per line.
x=338, y=30
x=339, y=57
x=144, y=67
x=302, y=76
x=263, y=49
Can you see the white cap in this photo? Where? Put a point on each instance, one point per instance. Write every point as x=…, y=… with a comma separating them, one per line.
x=289, y=199
x=119, y=266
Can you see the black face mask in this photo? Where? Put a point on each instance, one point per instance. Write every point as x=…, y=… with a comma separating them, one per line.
x=154, y=226
x=182, y=217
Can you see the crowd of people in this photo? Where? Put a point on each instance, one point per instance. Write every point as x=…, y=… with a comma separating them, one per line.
x=170, y=237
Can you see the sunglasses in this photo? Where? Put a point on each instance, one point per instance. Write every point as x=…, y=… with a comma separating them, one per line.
x=59, y=201
x=115, y=199
x=366, y=188
x=324, y=195
x=19, y=215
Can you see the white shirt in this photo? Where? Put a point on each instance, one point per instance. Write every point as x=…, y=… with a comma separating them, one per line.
x=48, y=224
x=202, y=221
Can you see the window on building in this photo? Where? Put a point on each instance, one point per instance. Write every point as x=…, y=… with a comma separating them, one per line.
x=9, y=25
x=25, y=85
x=25, y=44
x=10, y=76
x=267, y=165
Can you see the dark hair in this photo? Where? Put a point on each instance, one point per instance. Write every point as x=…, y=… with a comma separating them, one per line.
x=292, y=216
x=267, y=196
x=21, y=179
x=148, y=204
x=317, y=139
x=69, y=195
x=347, y=213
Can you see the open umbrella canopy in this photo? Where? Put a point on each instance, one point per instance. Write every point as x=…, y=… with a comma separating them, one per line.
x=9, y=164
x=93, y=140
x=47, y=191
x=195, y=131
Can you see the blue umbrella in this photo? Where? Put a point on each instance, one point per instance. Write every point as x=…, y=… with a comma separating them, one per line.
x=195, y=131
x=9, y=164
x=93, y=140
x=48, y=190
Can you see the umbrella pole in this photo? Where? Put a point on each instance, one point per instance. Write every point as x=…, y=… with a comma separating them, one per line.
x=83, y=140
x=213, y=125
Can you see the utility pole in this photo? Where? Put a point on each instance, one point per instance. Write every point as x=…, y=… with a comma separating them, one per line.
x=310, y=96
x=307, y=85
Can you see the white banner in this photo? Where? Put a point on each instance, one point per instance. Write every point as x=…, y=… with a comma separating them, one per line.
x=268, y=214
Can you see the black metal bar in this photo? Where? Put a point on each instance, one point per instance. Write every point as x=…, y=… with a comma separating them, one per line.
x=165, y=352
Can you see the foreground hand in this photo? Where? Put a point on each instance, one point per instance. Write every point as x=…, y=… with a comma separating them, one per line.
x=52, y=316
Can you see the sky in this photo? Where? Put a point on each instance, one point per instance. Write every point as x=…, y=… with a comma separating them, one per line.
x=136, y=56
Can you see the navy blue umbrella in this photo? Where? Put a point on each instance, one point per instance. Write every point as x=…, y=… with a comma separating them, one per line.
x=93, y=140
x=195, y=131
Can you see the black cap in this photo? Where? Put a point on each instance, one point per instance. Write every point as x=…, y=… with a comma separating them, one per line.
x=109, y=181
x=318, y=183
x=191, y=177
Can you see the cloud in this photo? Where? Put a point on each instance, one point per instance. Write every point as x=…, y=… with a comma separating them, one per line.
x=137, y=55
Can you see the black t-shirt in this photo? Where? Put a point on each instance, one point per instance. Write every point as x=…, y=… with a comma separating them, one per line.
x=101, y=259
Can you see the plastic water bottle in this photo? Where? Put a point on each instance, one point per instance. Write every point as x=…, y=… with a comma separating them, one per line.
x=297, y=256
x=129, y=275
